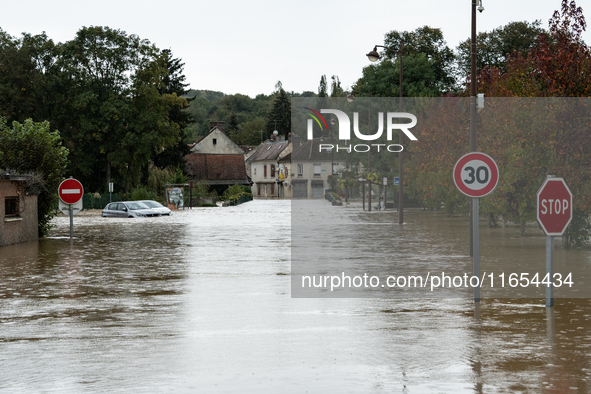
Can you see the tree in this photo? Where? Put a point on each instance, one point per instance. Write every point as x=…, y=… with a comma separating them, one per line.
x=22, y=80
x=430, y=42
x=383, y=79
x=121, y=104
x=279, y=117
x=322, y=89
x=335, y=88
x=493, y=48
x=32, y=147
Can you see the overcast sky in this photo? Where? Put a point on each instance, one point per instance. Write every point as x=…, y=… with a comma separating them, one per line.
x=247, y=46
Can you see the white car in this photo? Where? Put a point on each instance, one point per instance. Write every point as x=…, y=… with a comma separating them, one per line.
x=128, y=209
x=156, y=206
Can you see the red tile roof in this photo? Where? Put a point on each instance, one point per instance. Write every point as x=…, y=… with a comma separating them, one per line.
x=217, y=169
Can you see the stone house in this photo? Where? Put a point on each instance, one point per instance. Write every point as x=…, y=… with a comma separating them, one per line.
x=18, y=211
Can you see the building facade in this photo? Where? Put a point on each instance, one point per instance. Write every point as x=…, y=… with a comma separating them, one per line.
x=18, y=211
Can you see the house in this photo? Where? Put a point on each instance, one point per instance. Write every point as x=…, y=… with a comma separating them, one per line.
x=216, y=142
x=267, y=174
x=217, y=160
x=311, y=168
x=18, y=213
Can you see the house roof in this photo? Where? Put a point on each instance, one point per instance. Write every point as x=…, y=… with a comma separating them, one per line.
x=310, y=151
x=269, y=151
x=217, y=169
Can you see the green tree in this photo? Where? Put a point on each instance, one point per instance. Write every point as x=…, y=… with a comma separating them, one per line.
x=383, y=78
x=335, y=87
x=32, y=147
x=430, y=42
x=492, y=48
x=279, y=117
x=322, y=88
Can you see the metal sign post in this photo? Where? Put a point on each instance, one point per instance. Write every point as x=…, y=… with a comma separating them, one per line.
x=554, y=211
x=110, y=190
x=476, y=175
x=70, y=192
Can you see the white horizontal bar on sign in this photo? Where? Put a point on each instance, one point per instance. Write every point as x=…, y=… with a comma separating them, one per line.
x=70, y=191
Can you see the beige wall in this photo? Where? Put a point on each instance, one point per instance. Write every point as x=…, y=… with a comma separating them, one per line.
x=223, y=145
x=24, y=227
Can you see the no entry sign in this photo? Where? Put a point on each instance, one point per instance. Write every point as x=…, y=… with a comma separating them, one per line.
x=70, y=191
x=476, y=174
x=554, y=206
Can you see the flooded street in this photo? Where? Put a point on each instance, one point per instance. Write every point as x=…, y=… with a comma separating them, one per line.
x=201, y=302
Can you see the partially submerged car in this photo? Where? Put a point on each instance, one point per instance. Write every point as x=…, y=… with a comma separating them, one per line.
x=129, y=209
x=156, y=206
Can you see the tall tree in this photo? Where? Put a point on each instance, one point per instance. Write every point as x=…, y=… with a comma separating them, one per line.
x=494, y=47
x=430, y=42
x=335, y=87
x=322, y=87
x=279, y=117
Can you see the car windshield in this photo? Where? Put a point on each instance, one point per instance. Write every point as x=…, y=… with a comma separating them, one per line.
x=153, y=204
x=136, y=205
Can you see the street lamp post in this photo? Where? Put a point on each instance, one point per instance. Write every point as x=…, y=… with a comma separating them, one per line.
x=374, y=56
x=473, y=112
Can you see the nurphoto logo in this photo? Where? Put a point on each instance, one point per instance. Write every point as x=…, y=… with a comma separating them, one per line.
x=344, y=124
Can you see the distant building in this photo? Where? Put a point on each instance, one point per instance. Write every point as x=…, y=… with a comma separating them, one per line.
x=267, y=175
x=311, y=168
x=18, y=211
x=216, y=142
x=217, y=160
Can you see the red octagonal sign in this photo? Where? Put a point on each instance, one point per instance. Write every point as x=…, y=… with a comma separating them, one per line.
x=70, y=191
x=554, y=206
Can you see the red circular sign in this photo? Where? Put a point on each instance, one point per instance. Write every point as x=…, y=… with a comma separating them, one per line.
x=554, y=206
x=476, y=174
x=70, y=191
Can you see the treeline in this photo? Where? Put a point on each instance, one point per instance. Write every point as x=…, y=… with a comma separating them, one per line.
x=116, y=99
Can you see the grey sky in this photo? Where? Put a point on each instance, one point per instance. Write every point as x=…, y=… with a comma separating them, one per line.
x=247, y=46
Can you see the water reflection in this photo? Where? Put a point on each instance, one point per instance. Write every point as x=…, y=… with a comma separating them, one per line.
x=201, y=302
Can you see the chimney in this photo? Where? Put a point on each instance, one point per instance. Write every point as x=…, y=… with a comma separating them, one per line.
x=220, y=125
x=295, y=142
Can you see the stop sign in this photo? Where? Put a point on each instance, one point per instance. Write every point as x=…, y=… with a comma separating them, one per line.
x=554, y=206
x=70, y=191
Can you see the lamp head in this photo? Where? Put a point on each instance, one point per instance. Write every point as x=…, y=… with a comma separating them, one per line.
x=374, y=56
x=350, y=98
x=480, y=7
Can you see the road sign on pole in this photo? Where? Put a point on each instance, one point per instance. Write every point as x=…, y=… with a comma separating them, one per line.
x=554, y=202
x=476, y=175
x=70, y=192
x=554, y=206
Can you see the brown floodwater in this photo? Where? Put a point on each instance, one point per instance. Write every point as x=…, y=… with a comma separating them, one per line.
x=201, y=302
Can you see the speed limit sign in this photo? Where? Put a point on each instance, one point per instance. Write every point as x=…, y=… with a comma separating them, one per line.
x=476, y=174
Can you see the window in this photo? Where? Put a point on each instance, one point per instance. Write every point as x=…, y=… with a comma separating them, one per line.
x=335, y=168
x=286, y=172
x=317, y=169
x=215, y=141
x=265, y=170
x=11, y=206
x=300, y=170
x=272, y=170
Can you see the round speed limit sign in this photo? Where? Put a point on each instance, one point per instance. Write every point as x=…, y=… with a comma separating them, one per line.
x=476, y=174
